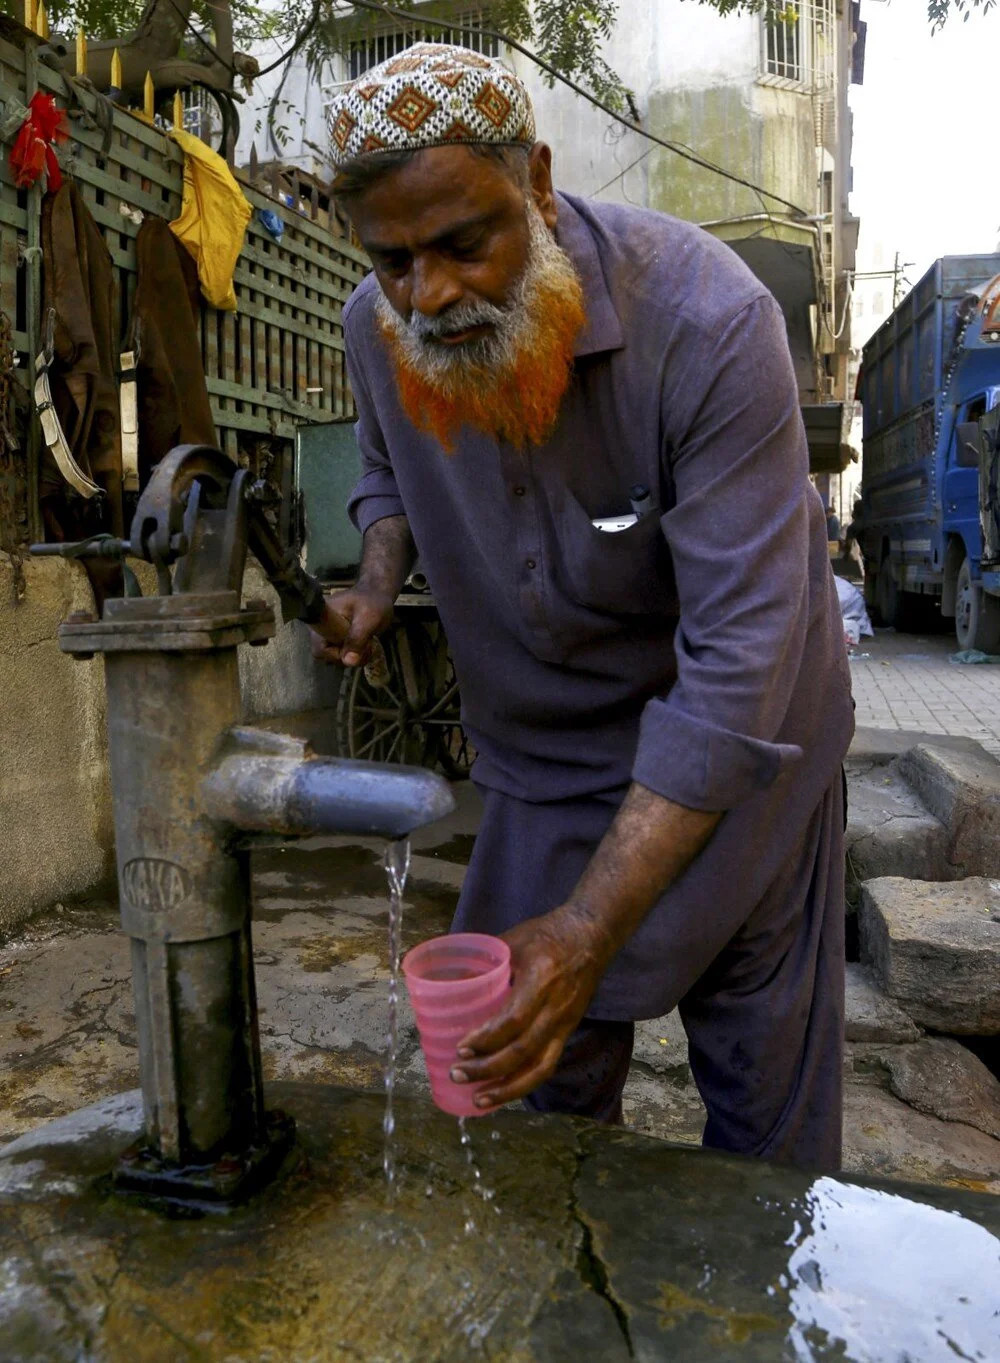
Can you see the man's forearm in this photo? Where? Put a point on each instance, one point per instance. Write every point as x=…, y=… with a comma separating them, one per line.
x=387, y=555
x=649, y=844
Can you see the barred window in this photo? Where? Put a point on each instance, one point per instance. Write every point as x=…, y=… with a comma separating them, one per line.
x=466, y=30
x=782, y=44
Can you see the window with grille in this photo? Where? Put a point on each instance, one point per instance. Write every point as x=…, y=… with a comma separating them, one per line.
x=782, y=40
x=466, y=30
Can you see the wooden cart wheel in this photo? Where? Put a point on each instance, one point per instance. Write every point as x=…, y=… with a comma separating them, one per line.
x=415, y=719
x=453, y=750
x=382, y=724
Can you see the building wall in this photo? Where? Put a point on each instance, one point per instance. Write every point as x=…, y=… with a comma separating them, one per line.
x=699, y=81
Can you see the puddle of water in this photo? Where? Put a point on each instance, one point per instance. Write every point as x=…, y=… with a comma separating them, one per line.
x=933, y=1296
x=397, y=867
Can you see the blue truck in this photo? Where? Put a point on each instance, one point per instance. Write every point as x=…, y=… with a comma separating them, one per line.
x=928, y=375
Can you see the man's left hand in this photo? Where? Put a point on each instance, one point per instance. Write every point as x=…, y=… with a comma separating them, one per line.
x=556, y=963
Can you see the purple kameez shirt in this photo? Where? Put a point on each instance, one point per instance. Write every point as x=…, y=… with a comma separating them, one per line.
x=699, y=652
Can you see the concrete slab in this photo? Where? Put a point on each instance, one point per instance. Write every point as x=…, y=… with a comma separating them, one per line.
x=935, y=949
x=875, y=745
x=596, y=1243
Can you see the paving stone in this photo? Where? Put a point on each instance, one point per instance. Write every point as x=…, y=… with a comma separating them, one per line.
x=935, y=949
x=944, y=1079
x=871, y=1015
x=962, y=789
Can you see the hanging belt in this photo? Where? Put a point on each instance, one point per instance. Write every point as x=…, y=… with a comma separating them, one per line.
x=129, y=405
x=52, y=431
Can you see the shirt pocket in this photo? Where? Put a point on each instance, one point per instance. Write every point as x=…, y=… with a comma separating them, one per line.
x=617, y=572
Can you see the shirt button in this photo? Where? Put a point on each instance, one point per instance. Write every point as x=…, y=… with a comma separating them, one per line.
x=519, y=491
x=529, y=563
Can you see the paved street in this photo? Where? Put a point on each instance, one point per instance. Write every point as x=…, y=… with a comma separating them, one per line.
x=905, y=681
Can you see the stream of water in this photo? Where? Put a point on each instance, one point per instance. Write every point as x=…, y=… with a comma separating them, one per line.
x=397, y=868
x=479, y=1188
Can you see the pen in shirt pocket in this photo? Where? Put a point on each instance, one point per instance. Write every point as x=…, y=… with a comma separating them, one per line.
x=640, y=499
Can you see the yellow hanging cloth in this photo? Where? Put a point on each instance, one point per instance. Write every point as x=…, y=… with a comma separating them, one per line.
x=213, y=218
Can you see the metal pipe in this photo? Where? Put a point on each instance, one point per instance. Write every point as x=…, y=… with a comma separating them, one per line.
x=299, y=796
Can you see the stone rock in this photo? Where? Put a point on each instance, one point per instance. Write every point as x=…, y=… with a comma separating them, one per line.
x=962, y=789
x=886, y=1138
x=944, y=1079
x=935, y=949
x=889, y=832
x=870, y=1015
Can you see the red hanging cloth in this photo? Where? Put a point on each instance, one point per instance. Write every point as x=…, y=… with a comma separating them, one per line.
x=32, y=151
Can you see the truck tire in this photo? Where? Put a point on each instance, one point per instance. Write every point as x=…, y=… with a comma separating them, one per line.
x=977, y=614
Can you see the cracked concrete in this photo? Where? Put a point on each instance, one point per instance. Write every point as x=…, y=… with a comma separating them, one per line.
x=598, y=1244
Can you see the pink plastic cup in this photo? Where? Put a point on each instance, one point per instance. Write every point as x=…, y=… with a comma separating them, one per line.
x=455, y=983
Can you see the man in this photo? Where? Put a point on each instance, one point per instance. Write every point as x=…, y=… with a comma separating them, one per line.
x=583, y=418
x=833, y=527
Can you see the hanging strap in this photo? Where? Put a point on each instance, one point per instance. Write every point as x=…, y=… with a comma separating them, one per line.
x=52, y=431
x=129, y=406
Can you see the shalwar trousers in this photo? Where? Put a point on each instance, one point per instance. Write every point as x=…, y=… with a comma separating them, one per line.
x=764, y=1017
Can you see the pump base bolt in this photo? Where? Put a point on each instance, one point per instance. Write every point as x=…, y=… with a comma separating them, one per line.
x=196, y=1189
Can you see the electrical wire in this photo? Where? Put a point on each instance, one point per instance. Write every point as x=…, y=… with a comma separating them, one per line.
x=848, y=297
x=622, y=173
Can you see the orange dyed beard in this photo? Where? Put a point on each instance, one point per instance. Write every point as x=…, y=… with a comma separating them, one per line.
x=519, y=402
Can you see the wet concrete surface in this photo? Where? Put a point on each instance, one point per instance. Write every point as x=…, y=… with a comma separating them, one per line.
x=320, y=917
x=597, y=1244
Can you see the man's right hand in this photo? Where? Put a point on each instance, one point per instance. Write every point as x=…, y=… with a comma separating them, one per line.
x=348, y=625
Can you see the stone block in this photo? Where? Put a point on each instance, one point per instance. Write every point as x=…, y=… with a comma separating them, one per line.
x=944, y=1079
x=871, y=1015
x=962, y=789
x=935, y=950
x=890, y=833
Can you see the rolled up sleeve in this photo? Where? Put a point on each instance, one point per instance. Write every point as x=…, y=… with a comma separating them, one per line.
x=738, y=532
x=376, y=494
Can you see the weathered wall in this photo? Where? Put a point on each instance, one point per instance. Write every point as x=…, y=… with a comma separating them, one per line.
x=55, y=809
x=56, y=840
x=283, y=678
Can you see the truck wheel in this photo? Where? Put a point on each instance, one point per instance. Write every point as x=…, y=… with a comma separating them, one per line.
x=977, y=614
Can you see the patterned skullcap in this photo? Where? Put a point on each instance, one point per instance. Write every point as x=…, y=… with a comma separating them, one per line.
x=428, y=96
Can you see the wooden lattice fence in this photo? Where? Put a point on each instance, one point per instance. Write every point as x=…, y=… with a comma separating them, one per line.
x=275, y=363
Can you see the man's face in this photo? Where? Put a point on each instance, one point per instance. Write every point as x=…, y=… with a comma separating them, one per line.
x=450, y=228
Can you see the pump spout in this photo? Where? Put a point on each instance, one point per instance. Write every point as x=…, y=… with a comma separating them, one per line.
x=273, y=785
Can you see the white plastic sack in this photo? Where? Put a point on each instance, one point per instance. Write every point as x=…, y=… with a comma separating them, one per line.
x=852, y=610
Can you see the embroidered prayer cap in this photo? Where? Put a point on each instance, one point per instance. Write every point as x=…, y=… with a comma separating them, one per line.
x=430, y=95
